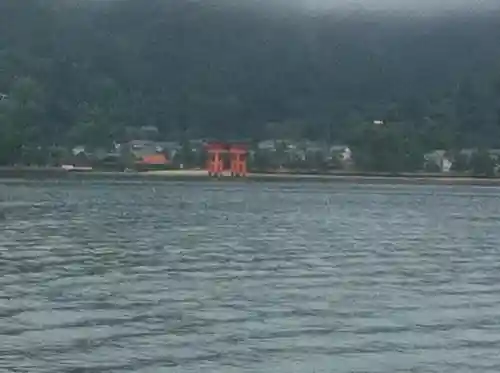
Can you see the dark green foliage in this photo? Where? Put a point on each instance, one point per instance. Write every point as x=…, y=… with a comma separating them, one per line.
x=87, y=71
x=432, y=167
x=387, y=147
x=482, y=164
x=263, y=160
x=461, y=163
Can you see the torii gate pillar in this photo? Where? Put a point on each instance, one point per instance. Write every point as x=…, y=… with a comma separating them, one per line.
x=215, y=162
x=238, y=154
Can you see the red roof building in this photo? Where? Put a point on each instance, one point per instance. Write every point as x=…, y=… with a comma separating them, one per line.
x=154, y=160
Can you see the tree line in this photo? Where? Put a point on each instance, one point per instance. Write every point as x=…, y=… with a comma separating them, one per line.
x=83, y=72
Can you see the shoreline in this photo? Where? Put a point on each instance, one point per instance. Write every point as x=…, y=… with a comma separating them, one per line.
x=40, y=173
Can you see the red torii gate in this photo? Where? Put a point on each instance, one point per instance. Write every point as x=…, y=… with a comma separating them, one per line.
x=217, y=152
x=239, y=155
x=215, y=161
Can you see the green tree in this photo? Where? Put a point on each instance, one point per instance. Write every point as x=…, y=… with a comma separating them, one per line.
x=390, y=148
x=460, y=163
x=482, y=164
x=93, y=128
x=86, y=74
x=20, y=119
x=262, y=160
x=186, y=157
x=10, y=143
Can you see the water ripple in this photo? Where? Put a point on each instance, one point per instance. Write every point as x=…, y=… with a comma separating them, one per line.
x=236, y=277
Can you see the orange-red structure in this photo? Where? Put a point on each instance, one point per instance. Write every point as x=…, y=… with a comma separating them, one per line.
x=238, y=154
x=215, y=162
x=217, y=153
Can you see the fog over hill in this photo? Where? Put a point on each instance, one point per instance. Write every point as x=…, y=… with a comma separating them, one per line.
x=403, y=5
x=228, y=69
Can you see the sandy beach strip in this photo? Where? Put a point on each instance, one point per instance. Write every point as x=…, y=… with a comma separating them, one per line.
x=20, y=173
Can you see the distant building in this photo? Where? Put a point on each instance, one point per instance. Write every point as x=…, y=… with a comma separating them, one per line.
x=342, y=151
x=313, y=147
x=494, y=154
x=340, y=156
x=446, y=165
x=145, y=155
x=153, y=160
x=439, y=160
x=78, y=150
x=140, y=144
x=267, y=145
x=172, y=148
x=77, y=158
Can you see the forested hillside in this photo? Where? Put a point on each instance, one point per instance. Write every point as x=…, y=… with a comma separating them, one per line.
x=82, y=71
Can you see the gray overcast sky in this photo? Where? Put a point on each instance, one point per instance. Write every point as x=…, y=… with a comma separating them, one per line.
x=417, y=5
x=406, y=4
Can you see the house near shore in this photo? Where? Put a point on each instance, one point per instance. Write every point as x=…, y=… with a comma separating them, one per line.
x=152, y=161
x=80, y=160
x=340, y=156
x=100, y=158
x=78, y=150
x=266, y=145
x=495, y=154
x=145, y=155
x=77, y=157
x=170, y=148
x=343, y=152
x=438, y=160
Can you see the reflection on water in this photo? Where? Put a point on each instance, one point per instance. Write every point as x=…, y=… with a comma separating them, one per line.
x=234, y=277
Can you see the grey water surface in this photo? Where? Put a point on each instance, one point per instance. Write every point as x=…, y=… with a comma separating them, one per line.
x=146, y=277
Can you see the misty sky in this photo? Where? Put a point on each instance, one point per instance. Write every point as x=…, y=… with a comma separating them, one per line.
x=404, y=4
x=392, y=5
